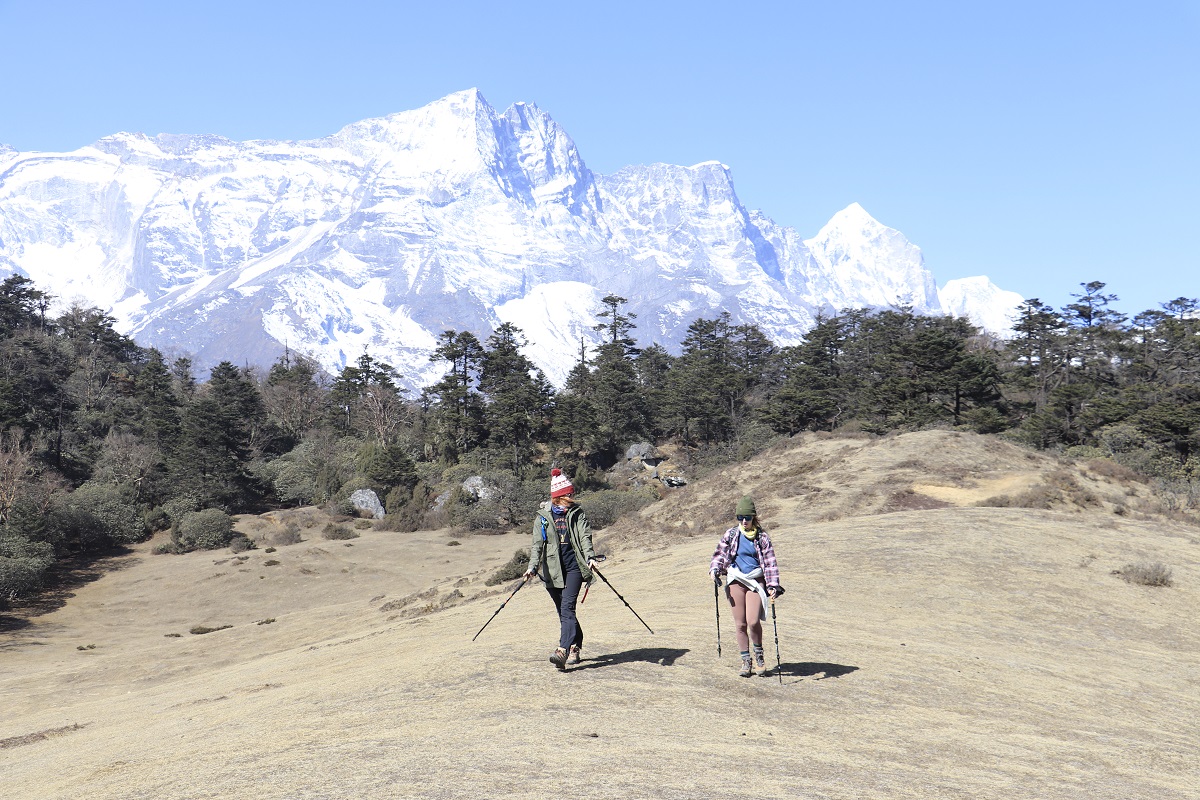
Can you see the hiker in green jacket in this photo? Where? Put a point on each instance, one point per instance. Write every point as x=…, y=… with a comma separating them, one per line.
x=562, y=550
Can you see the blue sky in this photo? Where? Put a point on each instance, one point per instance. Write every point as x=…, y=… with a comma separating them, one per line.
x=1042, y=144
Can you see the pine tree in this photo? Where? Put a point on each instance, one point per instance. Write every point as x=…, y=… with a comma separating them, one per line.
x=1039, y=349
x=22, y=307
x=1096, y=332
x=365, y=399
x=456, y=404
x=517, y=396
x=653, y=366
x=294, y=400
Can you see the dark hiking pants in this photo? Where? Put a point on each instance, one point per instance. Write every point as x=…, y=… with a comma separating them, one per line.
x=564, y=600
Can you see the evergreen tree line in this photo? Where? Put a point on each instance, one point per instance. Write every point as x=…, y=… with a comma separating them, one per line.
x=103, y=442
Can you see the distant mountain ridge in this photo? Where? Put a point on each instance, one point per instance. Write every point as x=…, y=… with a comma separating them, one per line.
x=393, y=230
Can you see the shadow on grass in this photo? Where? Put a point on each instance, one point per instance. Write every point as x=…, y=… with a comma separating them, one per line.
x=61, y=580
x=8, y=623
x=664, y=656
x=809, y=669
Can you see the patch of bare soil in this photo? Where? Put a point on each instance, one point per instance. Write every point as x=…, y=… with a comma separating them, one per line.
x=928, y=648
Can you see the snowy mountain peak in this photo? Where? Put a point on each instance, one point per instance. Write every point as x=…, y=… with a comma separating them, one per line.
x=874, y=262
x=982, y=302
x=395, y=229
x=851, y=220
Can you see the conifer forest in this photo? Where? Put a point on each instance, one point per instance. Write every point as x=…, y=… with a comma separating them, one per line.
x=104, y=443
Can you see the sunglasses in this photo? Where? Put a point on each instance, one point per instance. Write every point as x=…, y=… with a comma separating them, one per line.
x=744, y=518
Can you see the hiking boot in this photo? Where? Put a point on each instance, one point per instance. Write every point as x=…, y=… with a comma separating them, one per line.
x=747, y=667
x=760, y=661
x=559, y=658
x=573, y=655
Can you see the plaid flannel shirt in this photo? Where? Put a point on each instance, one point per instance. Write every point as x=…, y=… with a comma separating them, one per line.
x=726, y=550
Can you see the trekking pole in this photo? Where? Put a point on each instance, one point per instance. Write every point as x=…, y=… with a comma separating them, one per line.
x=622, y=599
x=717, y=601
x=587, y=586
x=775, y=625
x=501, y=608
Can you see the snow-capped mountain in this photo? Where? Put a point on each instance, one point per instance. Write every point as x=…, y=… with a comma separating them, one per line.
x=986, y=305
x=393, y=230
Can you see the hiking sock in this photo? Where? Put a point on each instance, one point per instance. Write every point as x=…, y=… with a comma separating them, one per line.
x=759, y=657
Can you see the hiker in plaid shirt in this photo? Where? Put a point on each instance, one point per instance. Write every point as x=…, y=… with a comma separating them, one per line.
x=746, y=558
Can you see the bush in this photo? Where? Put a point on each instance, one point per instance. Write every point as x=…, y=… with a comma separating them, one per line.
x=289, y=535
x=481, y=516
x=1144, y=574
x=95, y=515
x=405, y=519
x=985, y=419
x=605, y=507
x=209, y=529
x=514, y=569
x=313, y=471
x=156, y=520
x=22, y=565
x=200, y=630
x=333, y=531
x=386, y=466
x=240, y=543
x=176, y=507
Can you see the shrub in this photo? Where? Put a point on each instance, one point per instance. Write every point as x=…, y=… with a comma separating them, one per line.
x=22, y=565
x=482, y=516
x=405, y=519
x=240, y=543
x=289, y=535
x=205, y=530
x=200, y=630
x=605, y=507
x=985, y=419
x=1111, y=469
x=514, y=569
x=313, y=471
x=95, y=515
x=176, y=507
x=386, y=466
x=156, y=520
x=333, y=531
x=1143, y=574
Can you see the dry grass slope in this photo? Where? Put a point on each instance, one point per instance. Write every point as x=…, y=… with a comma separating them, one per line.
x=953, y=629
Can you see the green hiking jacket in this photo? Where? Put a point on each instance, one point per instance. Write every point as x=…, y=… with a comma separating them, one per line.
x=543, y=555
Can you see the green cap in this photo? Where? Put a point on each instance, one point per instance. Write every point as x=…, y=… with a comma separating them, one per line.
x=745, y=507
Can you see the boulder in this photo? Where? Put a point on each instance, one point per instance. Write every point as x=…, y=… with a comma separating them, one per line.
x=476, y=487
x=366, y=501
x=640, y=452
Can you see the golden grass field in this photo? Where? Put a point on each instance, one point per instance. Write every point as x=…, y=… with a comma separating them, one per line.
x=932, y=647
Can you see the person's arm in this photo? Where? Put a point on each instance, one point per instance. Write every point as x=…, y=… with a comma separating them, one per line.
x=585, y=540
x=769, y=565
x=535, y=549
x=720, y=559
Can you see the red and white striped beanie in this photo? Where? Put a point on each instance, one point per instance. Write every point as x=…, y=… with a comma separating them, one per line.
x=559, y=484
